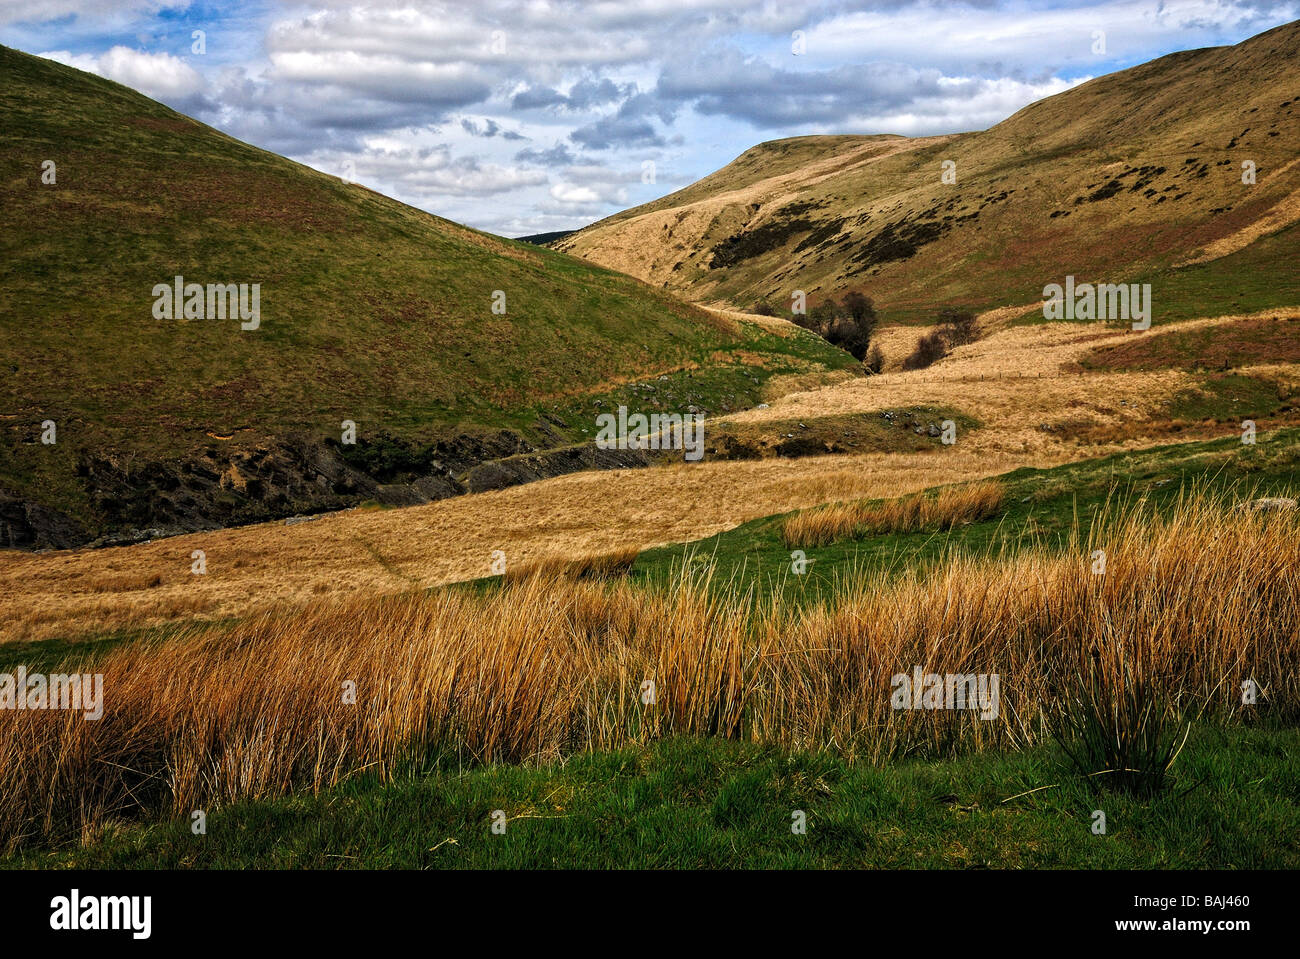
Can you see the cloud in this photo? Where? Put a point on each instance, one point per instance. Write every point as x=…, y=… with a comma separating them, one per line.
x=488, y=128
x=585, y=94
x=557, y=155
x=617, y=131
x=426, y=172
x=536, y=98
x=22, y=11
x=1007, y=40
x=629, y=126
x=866, y=98
x=437, y=86
x=582, y=195
x=432, y=100
x=159, y=75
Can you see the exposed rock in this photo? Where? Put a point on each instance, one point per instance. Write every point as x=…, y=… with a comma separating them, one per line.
x=25, y=525
x=515, y=470
x=1271, y=504
x=295, y=479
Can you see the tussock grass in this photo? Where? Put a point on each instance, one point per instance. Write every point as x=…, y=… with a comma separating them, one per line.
x=122, y=582
x=1190, y=606
x=597, y=566
x=908, y=514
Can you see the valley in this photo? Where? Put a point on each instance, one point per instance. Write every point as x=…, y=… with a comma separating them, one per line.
x=392, y=532
x=1035, y=401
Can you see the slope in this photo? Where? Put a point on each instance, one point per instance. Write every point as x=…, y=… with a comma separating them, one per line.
x=370, y=311
x=1129, y=176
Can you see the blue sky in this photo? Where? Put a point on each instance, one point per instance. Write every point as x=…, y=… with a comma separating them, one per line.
x=526, y=116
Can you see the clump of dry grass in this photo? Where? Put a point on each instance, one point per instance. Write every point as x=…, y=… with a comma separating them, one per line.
x=908, y=514
x=594, y=566
x=1190, y=606
x=122, y=582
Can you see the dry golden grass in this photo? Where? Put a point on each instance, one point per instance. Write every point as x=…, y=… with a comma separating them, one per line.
x=368, y=552
x=587, y=566
x=1016, y=381
x=1282, y=214
x=86, y=592
x=649, y=245
x=1202, y=601
x=951, y=507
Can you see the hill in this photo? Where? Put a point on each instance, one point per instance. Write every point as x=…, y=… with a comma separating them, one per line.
x=1134, y=175
x=446, y=347
x=541, y=239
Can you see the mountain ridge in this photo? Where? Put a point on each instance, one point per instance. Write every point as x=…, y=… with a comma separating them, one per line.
x=1130, y=173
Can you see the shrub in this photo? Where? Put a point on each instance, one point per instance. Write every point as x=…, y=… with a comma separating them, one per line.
x=959, y=327
x=956, y=328
x=930, y=348
x=849, y=337
x=875, y=362
x=848, y=325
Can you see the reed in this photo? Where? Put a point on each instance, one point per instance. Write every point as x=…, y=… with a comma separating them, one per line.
x=1190, y=605
x=951, y=507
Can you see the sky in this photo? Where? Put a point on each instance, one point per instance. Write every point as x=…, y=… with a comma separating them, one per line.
x=531, y=116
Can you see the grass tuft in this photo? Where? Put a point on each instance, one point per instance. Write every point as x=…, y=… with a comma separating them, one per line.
x=909, y=514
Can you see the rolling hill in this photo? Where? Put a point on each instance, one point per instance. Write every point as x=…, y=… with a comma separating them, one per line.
x=117, y=421
x=1133, y=175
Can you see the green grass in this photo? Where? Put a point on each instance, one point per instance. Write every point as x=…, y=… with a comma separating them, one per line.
x=1040, y=507
x=1228, y=396
x=1220, y=347
x=371, y=310
x=713, y=804
x=1262, y=276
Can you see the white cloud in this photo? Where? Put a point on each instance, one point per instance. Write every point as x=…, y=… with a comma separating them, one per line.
x=567, y=193
x=81, y=61
x=159, y=75
x=1010, y=37
x=411, y=91
x=23, y=11
x=424, y=174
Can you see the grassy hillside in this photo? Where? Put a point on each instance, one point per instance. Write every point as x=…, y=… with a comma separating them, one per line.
x=1130, y=176
x=371, y=311
x=1038, y=507
x=776, y=158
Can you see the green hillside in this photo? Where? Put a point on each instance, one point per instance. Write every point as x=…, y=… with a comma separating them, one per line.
x=370, y=311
